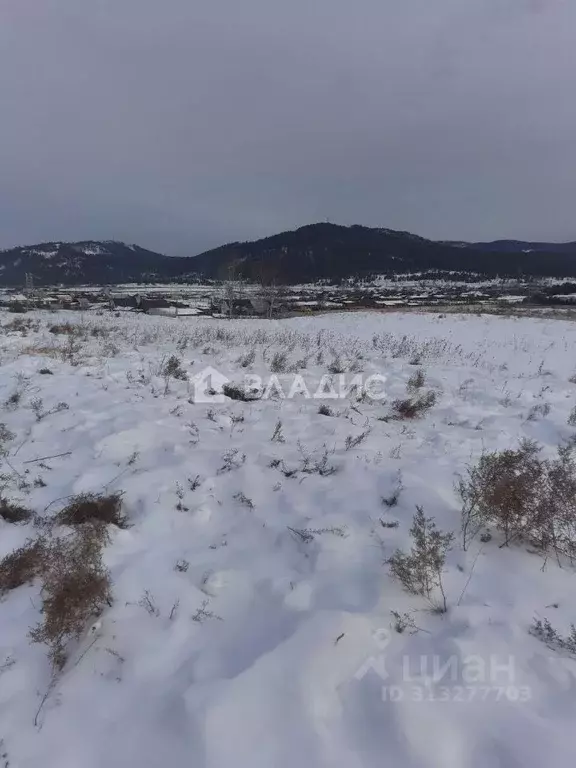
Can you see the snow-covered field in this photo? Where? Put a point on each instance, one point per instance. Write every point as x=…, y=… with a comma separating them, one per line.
x=259, y=536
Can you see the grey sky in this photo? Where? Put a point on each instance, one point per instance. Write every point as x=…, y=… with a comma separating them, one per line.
x=183, y=124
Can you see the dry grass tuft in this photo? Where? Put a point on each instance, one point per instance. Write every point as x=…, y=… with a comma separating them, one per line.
x=43, y=349
x=413, y=407
x=416, y=381
x=67, y=329
x=93, y=508
x=14, y=513
x=21, y=325
x=22, y=566
x=76, y=588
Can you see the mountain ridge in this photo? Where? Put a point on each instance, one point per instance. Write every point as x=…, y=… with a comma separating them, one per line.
x=332, y=251
x=312, y=252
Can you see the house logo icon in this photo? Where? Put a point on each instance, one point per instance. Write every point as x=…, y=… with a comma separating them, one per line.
x=207, y=386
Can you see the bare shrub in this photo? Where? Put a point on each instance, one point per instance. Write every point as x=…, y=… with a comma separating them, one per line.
x=180, y=496
x=413, y=407
x=243, y=499
x=236, y=418
x=5, y=665
x=45, y=372
x=502, y=489
x=572, y=417
x=336, y=365
x=58, y=408
x=392, y=500
x=403, y=622
x=60, y=329
x=356, y=365
x=543, y=630
x=98, y=332
x=307, y=535
x=416, y=381
x=22, y=566
x=76, y=588
x=540, y=410
x=471, y=521
x=12, y=512
x=278, y=435
x=53, y=350
x=71, y=349
x=523, y=495
x=281, y=467
x=246, y=360
x=22, y=324
x=194, y=483
x=314, y=465
x=16, y=307
x=5, y=437
x=279, y=362
x=354, y=441
x=554, y=525
x=13, y=400
x=325, y=410
x=420, y=571
x=202, y=613
x=109, y=349
x=172, y=369
x=93, y=508
x=300, y=364
x=149, y=604
x=231, y=459
x=236, y=392
x=37, y=406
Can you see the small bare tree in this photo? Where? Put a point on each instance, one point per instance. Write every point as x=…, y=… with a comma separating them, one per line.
x=420, y=571
x=232, y=286
x=267, y=274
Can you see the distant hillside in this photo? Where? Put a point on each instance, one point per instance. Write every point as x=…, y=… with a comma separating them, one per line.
x=314, y=252
x=329, y=251
x=88, y=262
x=522, y=246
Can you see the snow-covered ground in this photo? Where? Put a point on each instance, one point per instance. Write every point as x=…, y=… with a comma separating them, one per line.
x=272, y=644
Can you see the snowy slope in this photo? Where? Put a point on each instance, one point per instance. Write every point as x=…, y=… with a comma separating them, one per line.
x=272, y=649
x=88, y=262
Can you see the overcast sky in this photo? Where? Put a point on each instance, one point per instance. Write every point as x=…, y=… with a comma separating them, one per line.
x=183, y=124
